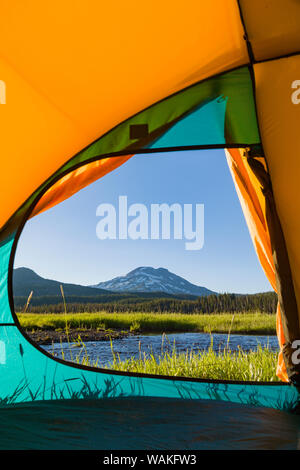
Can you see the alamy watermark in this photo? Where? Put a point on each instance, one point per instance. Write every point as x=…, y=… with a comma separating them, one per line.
x=2, y=92
x=159, y=221
x=295, y=358
x=295, y=97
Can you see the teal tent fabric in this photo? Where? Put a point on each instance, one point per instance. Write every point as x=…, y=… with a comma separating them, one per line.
x=207, y=122
x=5, y=252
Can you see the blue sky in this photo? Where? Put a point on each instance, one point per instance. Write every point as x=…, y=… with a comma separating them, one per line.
x=62, y=243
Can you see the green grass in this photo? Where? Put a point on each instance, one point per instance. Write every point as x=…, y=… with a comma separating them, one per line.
x=224, y=364
x=243, y=323
x=257, y=365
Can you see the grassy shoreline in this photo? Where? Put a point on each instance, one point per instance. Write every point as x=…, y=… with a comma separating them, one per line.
x=223, y=364
x=241, y=323
x=259, y=366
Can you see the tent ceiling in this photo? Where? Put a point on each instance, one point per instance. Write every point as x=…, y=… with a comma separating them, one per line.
x=72, y=73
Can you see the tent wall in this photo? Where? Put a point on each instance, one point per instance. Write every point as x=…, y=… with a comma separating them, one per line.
x=279, y=120
x=253, y=202
x=272, y=27
x=75, y=70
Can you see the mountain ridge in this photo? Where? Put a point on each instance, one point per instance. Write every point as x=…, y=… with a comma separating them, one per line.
x=26, y=280
x=149, y=279
x=142, y=280
x=46, y=292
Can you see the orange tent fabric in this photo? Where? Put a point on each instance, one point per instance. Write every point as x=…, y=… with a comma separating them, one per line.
x=252, y=202
x=76, y=180
x=74, y=70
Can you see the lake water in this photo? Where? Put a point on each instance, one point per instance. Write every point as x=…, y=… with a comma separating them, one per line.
x=131, y=346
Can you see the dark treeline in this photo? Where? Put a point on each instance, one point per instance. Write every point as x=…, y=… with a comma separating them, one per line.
x=264, y=302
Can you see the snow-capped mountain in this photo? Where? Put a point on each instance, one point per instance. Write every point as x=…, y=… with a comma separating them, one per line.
x=147, y=279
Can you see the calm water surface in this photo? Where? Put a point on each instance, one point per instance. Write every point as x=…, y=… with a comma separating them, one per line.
x=130, y=346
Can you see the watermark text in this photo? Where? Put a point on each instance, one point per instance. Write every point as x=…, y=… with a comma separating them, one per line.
x=159, y=222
